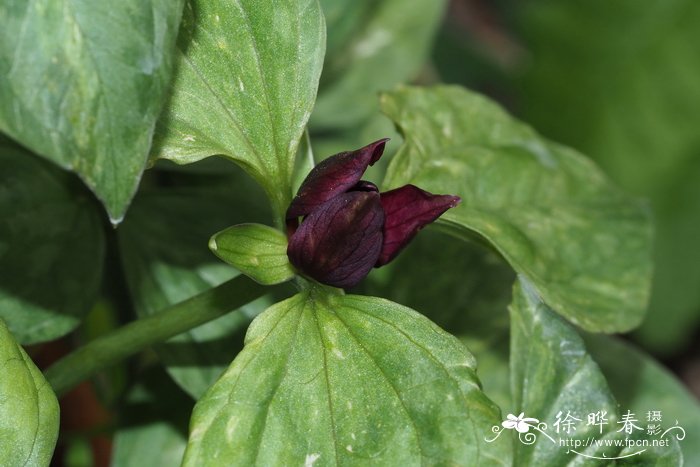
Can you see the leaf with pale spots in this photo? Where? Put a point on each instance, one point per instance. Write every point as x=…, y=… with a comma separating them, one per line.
x=552, y=372
x=550, y=212
x=246, y=81
x=83, y=83
x=330, y=379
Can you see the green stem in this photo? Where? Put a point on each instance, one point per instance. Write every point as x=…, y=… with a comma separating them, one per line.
x=137, y=335
x=279, y=203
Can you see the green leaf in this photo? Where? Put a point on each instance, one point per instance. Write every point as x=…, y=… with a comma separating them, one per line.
x=83, y=83
x=550, y=212
x=258, y=251
x=469, y=296
x=643, y=385
x=552, y=376
x=51, y=247
x=166, y=260
x=632, y=102
x=372, y=46
x=336, y=379
x=153, y=424
x=551, y=372
x=28, y=408
x=246, y=83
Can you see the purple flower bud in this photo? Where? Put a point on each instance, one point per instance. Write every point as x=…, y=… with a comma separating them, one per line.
x=340, y=241
x=348, y=226
x=334, y=176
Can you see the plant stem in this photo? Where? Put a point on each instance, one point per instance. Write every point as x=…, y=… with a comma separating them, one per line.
x=137, y=335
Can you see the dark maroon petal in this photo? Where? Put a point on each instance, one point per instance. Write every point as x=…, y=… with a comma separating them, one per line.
x=407, y=210
x=364, y=185
x=334, y=176
x=339, y=242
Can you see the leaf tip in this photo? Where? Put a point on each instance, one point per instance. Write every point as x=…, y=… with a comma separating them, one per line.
x=212, y=244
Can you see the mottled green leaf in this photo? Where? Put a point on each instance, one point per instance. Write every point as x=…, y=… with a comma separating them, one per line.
x=246, y=83
x=335, y=379
x=51, y=247
x=632, y=102
x=551, y=372
x=643, y=385
x=552, y=214
x=164, y=250
x=83, y=83
x=258, y=251
x=28, y=408
x=553, y=378
x=372, y=46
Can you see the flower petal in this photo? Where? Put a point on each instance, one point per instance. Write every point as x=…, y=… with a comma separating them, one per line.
x=509, y=424
x=339, y=242
x=522, y=427
x=334, y=176
x=408, y=209
x=364, y=185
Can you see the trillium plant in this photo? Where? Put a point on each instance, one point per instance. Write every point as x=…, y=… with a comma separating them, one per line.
x=189, y=276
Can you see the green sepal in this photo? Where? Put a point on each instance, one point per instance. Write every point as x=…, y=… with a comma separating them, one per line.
x=258, y=251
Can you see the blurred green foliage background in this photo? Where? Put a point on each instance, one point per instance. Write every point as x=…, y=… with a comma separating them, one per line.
x=619, y=81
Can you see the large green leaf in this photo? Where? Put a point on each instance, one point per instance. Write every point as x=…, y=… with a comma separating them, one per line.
x=246, y=83
x=643, y=385
x=551, y=373
x=28, y=408
x=83, y=83
x=552, y=377
x=372, y=46
x=164, y=250
x=632, y=102
x=51, y=247
x=548, y=210
x=335, y=379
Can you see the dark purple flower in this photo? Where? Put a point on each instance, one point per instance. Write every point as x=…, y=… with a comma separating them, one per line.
x=349, y=227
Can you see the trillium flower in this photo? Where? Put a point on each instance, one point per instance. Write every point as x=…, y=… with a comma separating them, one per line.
x=348, y=227
x=520, y=423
